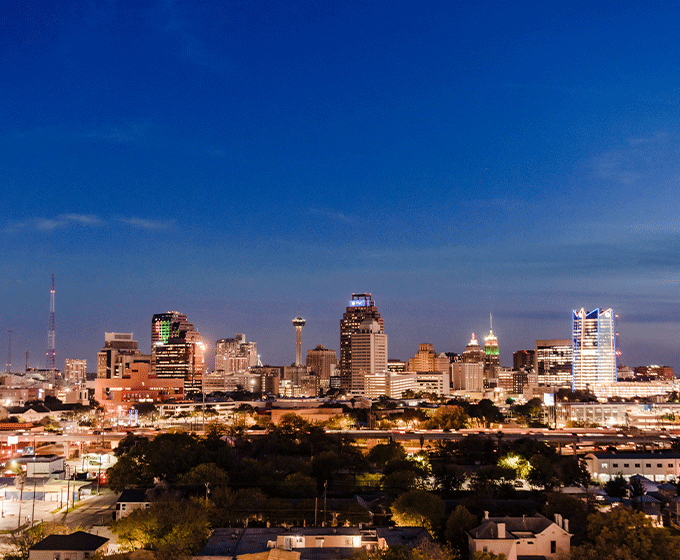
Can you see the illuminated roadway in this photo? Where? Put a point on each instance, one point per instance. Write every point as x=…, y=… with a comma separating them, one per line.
x=564, y=437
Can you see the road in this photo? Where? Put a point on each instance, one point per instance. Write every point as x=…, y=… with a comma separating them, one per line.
x=97, y=510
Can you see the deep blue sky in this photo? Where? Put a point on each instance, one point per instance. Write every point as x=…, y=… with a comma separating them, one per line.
x=245, y=162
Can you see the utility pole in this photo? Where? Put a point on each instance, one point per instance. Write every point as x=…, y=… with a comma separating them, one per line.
x=325, y=488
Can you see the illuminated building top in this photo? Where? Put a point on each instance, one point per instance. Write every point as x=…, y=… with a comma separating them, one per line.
x=299, y=322
x=491, y=345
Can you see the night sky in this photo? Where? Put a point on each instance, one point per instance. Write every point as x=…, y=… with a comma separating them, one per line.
x=243, y=162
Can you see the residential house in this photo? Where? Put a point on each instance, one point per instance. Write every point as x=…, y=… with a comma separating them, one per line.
x=517, y=537
x=76, y=546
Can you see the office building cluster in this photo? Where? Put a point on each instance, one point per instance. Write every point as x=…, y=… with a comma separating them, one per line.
x=175, y=369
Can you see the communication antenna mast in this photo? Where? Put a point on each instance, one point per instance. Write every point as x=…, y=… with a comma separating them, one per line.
x=50, y=332
x=9, y=351
x=26, y=366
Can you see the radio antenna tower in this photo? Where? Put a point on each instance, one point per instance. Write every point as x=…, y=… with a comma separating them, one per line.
x=50, y=332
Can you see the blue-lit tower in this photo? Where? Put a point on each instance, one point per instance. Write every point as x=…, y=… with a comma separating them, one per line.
x=593, y=348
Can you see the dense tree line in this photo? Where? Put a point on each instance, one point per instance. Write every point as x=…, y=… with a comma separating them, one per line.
x=228, y=479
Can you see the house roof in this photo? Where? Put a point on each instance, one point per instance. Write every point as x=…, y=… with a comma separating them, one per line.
x=647, y=484
x=645, y=498
x=134, y=496
x=613, y=456
x=515, y=527
x=80, y=540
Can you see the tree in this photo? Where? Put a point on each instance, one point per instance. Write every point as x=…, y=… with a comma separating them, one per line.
x=398, y=482
x=418, y=508
x=167, y=456
x=573, y=471
x=626, y=534
x=488, y=479
x=171, y=529
x=354, y=513
x=291, y=425
x=460, y=521
x=448, y=477
x=448, y=418
x=383, y=453
x=488, y=556
x=128, y=442
x=519, y=464
x=485, y=410
x=542, y=473
x=21, y=541
x=298, y=485
x=616, y=487
x=205, y=473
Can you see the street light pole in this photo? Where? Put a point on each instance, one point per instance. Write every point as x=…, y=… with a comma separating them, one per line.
x=68, y=489
x=22, y=481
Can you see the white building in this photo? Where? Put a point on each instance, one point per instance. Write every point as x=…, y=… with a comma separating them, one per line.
x=369, y=354
x=516, y=537
x=658, y=467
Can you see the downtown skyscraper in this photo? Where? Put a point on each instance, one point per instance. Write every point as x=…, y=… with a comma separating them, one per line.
x=177, y=350
x=360, y=308
x=593, y=348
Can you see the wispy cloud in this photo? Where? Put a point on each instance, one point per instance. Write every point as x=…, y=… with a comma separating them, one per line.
x=50, y=224
x=335, y=216
x=63, y=221
x=653, y=157
x=143, y=223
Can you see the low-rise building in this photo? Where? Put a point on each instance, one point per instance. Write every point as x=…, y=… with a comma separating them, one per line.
x=516, y=537
x=310, y=542
x=76, y=546
x=612, y=414
x=130, y=500
x=659, y=467
x=136, y=384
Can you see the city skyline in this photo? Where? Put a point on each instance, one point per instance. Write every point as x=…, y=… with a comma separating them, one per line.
x=245, y=163
x=290, y=346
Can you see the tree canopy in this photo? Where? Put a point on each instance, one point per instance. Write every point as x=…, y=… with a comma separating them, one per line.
x=625, y=534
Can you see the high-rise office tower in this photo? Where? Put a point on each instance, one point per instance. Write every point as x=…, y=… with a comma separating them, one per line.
x=593, y=348
x=426, y=359
x=322, y=361
x=177, y=349
x=552, y=362
x=473, y=353
x=523, y=359
x=75, y=370
x=235, y=355
x=368, y=345
x=120, y=350
x=492, y=357
x=360, y=307
x=298, y=323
